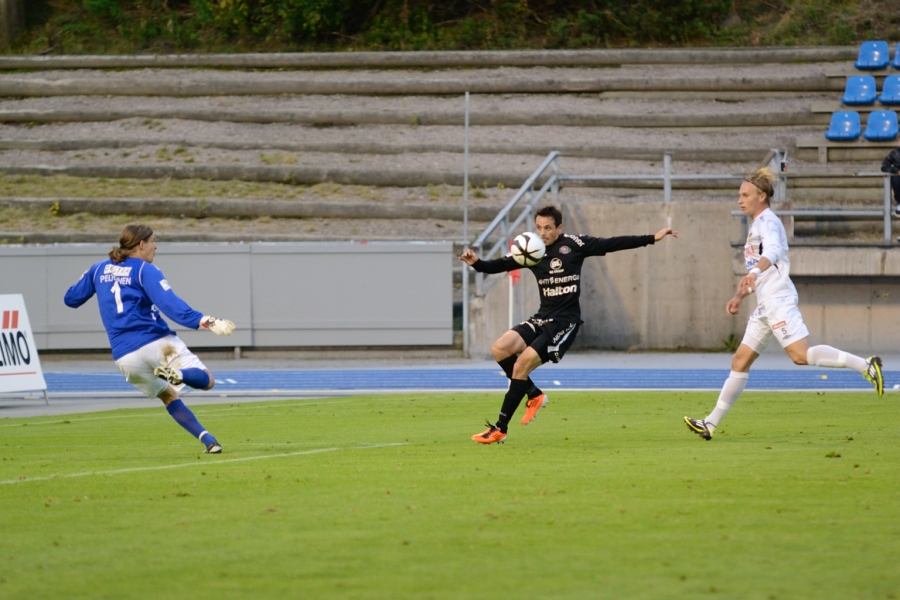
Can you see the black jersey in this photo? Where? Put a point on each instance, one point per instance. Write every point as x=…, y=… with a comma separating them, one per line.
x=559, y=272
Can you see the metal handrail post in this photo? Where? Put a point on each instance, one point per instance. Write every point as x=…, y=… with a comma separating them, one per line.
x=479, y=277
x=465, y=270
x=555, y=187
x=778, y=165
x=465, y=309
x=888, y=235
x=667, y=178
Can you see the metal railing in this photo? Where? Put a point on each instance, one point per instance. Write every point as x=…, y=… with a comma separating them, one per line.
x=667, y=178
x=508, y=227
x=883, y=213
x=526, y=217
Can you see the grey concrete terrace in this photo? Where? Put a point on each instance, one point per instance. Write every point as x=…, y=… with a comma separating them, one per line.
x=433, y=59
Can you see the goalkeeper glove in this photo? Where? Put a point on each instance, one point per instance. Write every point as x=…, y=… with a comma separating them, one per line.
x=217, y=326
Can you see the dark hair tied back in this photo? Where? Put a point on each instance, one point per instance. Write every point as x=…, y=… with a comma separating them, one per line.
x=131, y=238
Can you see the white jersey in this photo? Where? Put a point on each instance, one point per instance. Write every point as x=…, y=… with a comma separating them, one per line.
x=768, y=238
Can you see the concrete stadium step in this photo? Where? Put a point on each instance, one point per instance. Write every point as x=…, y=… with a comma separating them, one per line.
x=345, y=118
x=818, y=148
x=214, y=207
x=402, y=127
x=166, y=234
x=789, y=78
x=439, y=59
x=286, y=209
x=342, y=147
x=384, y=174
x=363, y=177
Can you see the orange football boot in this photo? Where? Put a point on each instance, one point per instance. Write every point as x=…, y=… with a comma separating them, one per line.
x=533, y=406
x=490, y=436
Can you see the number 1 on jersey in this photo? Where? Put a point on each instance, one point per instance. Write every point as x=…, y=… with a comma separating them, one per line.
x=118, y=292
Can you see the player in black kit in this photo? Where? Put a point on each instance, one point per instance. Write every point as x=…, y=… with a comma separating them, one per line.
x=547, y=335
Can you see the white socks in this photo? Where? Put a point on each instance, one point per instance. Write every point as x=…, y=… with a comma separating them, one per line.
x=820, y=356
x=826, y=356
x=731, y=391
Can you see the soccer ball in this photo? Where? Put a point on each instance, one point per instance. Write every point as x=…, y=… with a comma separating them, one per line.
x=527, y=249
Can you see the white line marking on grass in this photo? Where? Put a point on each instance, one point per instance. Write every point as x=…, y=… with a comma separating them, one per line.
x=203, y=464
x=197, y=408
x=216, y=409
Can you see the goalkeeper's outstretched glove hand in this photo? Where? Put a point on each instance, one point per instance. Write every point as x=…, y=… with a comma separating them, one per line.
x=217, y=326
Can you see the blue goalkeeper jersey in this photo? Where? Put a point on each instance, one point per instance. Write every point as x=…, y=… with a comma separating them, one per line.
x=131, y=295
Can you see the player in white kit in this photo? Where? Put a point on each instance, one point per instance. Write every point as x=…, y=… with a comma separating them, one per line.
x=776, y=314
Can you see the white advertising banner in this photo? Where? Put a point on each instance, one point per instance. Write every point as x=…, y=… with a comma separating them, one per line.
x=20, y=368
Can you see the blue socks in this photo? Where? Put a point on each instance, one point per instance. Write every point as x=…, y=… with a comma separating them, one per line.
x=184, y=417
x=196, y=378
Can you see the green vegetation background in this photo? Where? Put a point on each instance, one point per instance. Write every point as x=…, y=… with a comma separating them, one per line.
x=108, y=26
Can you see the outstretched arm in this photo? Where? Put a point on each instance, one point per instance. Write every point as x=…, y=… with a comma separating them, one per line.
x=469, y=257
x=663, y=233
x=82, y=291
x=500, y=265
x=162, y=295
x=165, y=299
x=600, y=246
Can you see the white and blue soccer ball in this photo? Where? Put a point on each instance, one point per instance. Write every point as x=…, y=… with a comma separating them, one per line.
x=527, y=249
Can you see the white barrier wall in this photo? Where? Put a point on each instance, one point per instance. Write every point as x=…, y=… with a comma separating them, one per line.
x=20, y=367
x=305, y=294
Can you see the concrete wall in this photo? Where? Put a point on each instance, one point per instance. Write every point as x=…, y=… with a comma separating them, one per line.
x=278, y=294
x=673, y=295
x=12, y=20
x=489, y=315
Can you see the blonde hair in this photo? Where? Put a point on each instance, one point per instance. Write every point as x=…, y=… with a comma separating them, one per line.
x=131, y=238
x=764, y=180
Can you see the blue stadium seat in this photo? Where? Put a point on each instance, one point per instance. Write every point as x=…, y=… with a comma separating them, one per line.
x=844, y=126
x=896, y=63
x=890, y=91
x=873, y=56
x=882, y=125
x=860, y=89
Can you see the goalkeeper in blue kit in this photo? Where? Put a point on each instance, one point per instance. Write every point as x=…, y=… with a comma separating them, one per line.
x=131, y=293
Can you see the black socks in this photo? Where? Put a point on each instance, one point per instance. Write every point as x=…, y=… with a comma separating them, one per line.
x=517, y=389
x=507, y=365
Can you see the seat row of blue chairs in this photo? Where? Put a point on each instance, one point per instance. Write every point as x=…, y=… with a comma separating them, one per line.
x=845, y=127
x=876, y=55
x=861, y=90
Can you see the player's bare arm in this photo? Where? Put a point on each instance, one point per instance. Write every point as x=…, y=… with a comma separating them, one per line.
x=747, y=284
x=663, y=233
x=734, y=304
x=469, y=257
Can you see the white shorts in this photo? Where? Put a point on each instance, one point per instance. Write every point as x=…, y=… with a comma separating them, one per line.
x=778, y=317
x=170, y=351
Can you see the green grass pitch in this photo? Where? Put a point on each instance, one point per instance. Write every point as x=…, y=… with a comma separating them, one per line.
x=605, y=495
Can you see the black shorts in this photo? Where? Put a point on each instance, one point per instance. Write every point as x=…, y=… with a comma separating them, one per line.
x=550, y=338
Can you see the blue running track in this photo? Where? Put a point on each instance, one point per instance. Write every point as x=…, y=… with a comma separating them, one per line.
x=349, y=380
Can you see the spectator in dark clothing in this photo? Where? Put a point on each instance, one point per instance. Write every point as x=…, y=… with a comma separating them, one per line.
x=891, y=164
